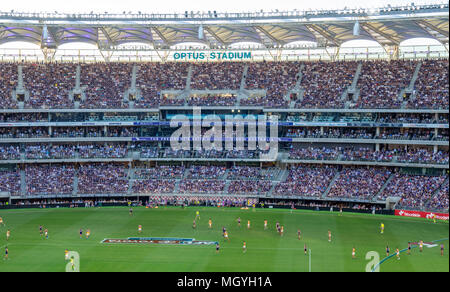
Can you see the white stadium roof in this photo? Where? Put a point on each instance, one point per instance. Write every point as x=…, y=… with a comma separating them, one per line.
x=328, y=28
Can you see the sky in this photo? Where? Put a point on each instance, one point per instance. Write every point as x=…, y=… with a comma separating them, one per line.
x=179, y=6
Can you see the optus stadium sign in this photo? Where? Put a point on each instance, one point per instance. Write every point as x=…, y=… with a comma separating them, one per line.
x=214, y=56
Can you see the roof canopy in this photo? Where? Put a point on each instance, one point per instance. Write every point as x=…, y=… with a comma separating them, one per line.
x=327, y=28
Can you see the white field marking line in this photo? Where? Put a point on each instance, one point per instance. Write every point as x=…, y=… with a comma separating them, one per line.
x=403, y=250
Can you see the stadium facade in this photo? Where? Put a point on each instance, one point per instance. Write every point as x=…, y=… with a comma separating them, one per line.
x=360, y=127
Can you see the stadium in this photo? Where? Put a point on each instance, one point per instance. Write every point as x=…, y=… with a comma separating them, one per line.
x=225, y=142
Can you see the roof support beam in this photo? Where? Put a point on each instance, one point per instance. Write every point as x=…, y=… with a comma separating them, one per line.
x=323, y=33
x=383, y=34
x=215, y=36
x=432, y=27
x=265, y=32
x=161, y=36
x=110, y=41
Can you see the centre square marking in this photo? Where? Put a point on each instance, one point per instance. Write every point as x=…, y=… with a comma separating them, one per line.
x=159, y=240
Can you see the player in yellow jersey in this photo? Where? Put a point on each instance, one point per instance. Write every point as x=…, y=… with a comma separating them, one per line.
x=225, y=234
x=382, y=228
x=210, y=223
x=139, y=228
x=197, y=215
x=8, y=234
x=88, y=233
x=281, y=230
x=244, y=247
x=72, y=264
x=353, y=253
x=66, y=254
x=329, y=236
x=1, y=221
x=397, y=253
x=421, y=245
x=248, y=224
x=265, y=224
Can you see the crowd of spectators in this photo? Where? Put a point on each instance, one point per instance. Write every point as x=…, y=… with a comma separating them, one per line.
x=360, y=183
x=324, y=83
x=8, y=83
x=201, y=186
x=105, y=84
x=431, y=87
x=423, y=156
x=440, y=200
x=9, y=152
x=102, y=178
x=277, y=78
x=344, y=133
x=414, y=190
x=206, y=172
x=315, y=153
x=213, y=76
x=49, y=84
x=160, y=172
x=246, y=187
x=153, y=186
x=380, y=83
x=152, y=78
x=212, y=100
x=49, y=179
x=306, y=181
x=108, y=150
x=23, y=117
x=10, y=181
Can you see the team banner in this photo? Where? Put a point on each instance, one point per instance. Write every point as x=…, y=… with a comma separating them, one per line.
x=421, y=214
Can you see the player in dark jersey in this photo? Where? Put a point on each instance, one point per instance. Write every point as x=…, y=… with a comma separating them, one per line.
x=217, y=247
x=41, y=230
x=81, y=232
x=387, y=250
x=299, y=234
x=238, y=221
x=6, y=253
x=224, y=230
x=409, y=247
x=131, y=211
x=306, y=248
x=442, y=249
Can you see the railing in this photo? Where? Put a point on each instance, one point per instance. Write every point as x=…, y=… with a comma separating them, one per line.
x=289, y=53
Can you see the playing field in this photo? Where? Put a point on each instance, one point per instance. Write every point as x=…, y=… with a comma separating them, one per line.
x=266, y=249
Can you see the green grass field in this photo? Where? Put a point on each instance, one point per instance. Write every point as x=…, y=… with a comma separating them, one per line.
x=267, y=251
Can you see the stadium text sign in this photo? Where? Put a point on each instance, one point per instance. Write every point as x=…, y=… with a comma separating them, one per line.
x=421, y=214
x=212, y=56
